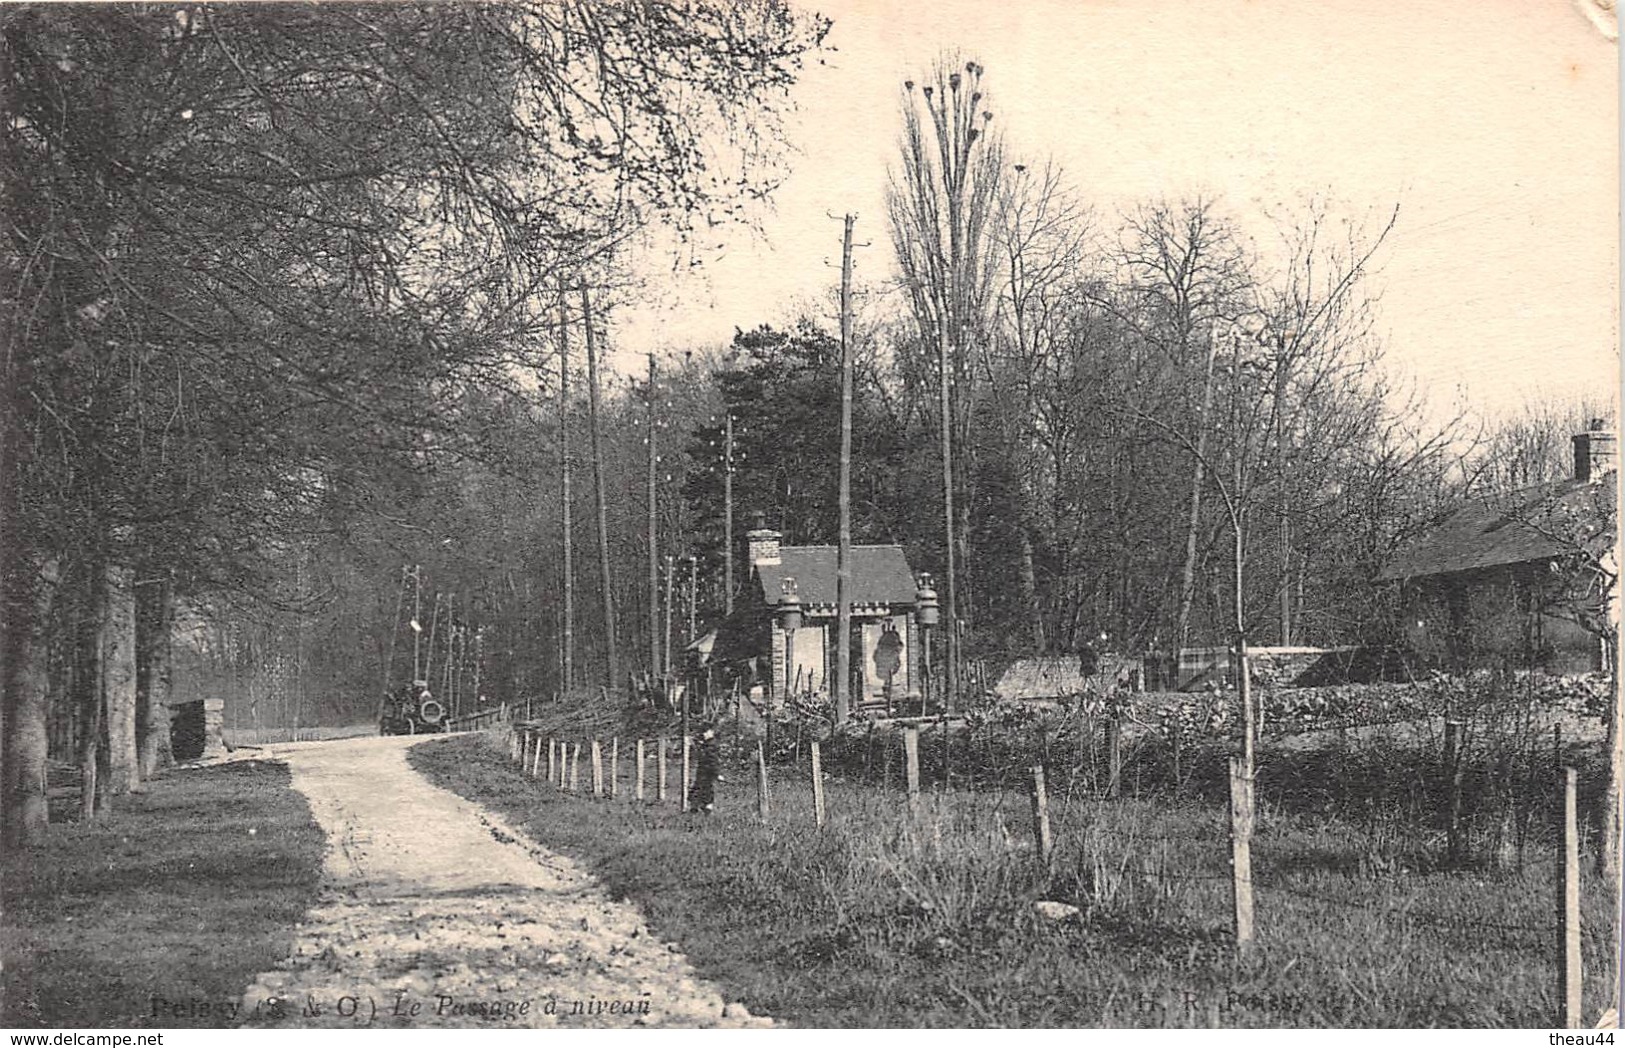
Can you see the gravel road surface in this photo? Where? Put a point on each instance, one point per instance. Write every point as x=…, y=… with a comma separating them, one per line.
x=437, y=913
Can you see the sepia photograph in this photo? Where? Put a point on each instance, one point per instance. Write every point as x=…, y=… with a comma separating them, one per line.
x=809, y=514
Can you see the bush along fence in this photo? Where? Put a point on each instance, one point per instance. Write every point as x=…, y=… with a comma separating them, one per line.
x=1108, y=768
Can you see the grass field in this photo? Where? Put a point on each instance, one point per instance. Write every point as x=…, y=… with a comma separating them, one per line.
x=161, y=913
x=885, y=920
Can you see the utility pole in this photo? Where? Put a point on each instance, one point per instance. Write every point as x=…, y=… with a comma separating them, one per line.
x=606, y=582
x=843, y=555
x=417, y=621
x=654, y=554
x=1283, y=364
x=299, y=649
x=567, y=671
x=728, y=513
x=448, y=691
x=480, y=653
x=951, y=625
x=434, y=626
x=693, y=597
x=670, y=593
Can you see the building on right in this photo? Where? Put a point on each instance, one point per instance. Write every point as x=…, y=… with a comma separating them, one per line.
x=1526, y=579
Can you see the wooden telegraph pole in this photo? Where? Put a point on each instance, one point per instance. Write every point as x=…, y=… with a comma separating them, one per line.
x=693, y=597
x=951, y=603
x=727, y=513
x=843, y=556
x=567, y=668
x=654, y=555
x=605, y=581
x=671, y=584
x=417, y=621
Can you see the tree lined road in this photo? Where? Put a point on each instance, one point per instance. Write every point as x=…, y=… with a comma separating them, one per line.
x=436, y=912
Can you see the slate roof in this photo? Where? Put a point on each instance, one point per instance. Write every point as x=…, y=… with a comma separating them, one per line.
x=880, y=575
x=1498, y=530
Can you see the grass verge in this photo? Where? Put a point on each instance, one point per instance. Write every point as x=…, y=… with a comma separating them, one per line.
x=884, y=920
x=175, y=900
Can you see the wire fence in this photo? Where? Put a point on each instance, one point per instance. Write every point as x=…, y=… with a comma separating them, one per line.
x=1122, y=823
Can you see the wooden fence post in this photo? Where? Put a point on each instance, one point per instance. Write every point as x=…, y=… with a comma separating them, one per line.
x=564, y=764
x=682, y=783
x=818, y=785
x=1568, y=916
x=761, y=781
x=637, y=790
x=524, y=750
x=615, y=766
x=1041, y=833
x=1114, y=755
x=911, y=767
x=1453, y=740
x=1241, y=856
x=597, y=769
x=552, y=759
x=575, y=768
x=660, y=769
x=536, y=757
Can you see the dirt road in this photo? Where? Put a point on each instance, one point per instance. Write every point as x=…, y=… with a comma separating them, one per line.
x=437, y=913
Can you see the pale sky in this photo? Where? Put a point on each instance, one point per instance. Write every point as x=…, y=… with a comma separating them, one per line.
x=1492, y=124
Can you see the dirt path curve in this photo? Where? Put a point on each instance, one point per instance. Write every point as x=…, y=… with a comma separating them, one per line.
x=435, y=912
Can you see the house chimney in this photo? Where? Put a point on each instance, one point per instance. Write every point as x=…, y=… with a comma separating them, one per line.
x=764, y=542
x=1594, y=451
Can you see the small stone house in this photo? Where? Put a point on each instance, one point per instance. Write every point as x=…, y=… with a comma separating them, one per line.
x=1503, y=580
x=885, y=638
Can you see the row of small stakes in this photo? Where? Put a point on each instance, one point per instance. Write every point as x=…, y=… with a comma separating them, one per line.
x=564, y=770
x=526, y=746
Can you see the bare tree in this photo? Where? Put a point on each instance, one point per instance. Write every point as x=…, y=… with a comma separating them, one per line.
x=1188, y=281
x=1324, y=399
x=1041, y=232
x=940, y=204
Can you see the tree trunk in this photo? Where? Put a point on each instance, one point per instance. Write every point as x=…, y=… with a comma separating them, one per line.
x=29, y=599
x=1282, y=502
x=118, y=679
x=155, y=618
x=1187, y=584
x=1029, y=590
x=88, y=697
x=1244, y=682
x=606, y=579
